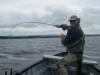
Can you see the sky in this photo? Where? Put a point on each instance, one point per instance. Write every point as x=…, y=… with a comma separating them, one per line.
x=49, y=11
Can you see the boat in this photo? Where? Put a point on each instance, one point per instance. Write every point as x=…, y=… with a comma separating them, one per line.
x=47, y=66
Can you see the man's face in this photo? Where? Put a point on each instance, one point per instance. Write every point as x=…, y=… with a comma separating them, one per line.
x=73, y=23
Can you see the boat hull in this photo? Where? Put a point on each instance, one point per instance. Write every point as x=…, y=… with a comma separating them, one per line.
x=47, y=66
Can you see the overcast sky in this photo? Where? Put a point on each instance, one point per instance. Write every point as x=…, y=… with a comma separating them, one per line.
x=49, y=11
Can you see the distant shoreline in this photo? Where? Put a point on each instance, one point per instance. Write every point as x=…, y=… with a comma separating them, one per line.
x=38, y=36
x=33, y=36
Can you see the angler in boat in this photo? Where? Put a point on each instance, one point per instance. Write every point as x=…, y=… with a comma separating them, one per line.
x=74, y=42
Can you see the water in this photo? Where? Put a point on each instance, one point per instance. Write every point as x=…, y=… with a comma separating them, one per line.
x=18, y=51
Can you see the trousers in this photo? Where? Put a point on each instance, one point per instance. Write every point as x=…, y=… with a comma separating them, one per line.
x=67, y=60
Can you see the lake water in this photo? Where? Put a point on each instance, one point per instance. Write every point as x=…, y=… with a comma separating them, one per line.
x=18, y=51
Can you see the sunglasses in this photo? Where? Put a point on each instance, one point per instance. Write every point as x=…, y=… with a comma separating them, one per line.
x=72, y=21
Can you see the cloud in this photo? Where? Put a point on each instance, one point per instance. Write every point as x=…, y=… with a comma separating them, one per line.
x=50, y=12
x=87, y=3
x=7, y=1
x=91, y=15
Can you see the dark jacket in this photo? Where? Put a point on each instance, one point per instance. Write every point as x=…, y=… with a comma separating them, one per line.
x=75, y=38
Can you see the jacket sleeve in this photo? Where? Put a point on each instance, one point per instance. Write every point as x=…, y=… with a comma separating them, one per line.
x=64, y=27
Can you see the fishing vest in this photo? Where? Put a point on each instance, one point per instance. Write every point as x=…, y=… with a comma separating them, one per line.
x=77, y=46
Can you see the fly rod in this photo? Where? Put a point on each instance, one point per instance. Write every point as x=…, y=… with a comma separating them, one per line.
x=35, y=22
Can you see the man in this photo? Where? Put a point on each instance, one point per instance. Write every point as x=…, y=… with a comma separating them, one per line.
x=74, y=42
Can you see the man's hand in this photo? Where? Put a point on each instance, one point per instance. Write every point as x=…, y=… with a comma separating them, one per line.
x=62, y=35
x=58, y=26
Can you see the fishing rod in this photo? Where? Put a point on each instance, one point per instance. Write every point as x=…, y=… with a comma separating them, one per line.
x=54, y=25
x=34, y=22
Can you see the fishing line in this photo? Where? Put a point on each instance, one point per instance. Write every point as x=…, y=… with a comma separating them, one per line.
x=31, y=22
x=34, y=22
x=13, y=26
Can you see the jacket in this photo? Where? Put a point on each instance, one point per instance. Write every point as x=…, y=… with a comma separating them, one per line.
x=74, y=41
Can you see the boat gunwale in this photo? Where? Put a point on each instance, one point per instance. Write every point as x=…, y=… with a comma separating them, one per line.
x=30, y=66
x=96, y=68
